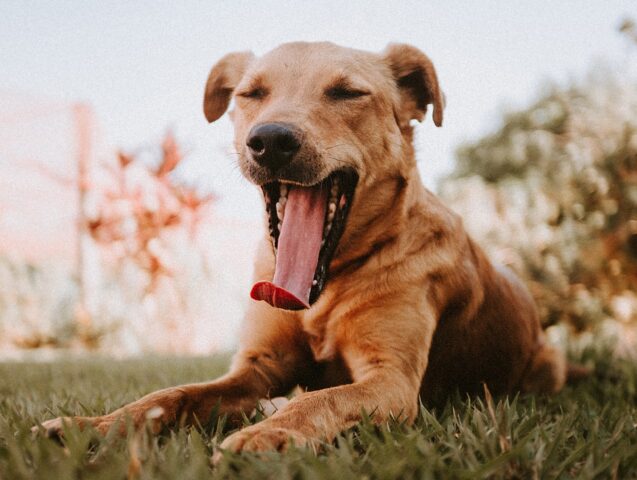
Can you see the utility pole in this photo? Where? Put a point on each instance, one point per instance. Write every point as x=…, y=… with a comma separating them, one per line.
x=83, y=119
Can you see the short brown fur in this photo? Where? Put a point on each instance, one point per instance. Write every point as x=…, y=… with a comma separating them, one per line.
x=412, y=308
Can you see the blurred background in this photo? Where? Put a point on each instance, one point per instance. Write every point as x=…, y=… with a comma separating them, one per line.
x=126, y=227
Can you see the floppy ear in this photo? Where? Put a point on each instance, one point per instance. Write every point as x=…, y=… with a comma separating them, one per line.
x=223, y=79
x=417, y=82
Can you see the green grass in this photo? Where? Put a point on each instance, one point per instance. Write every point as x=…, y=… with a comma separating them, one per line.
x=587, y=431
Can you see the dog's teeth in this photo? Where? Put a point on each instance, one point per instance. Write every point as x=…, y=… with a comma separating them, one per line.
x=314, y=282
x=283, y=200
x=280, y=210
x=279, y=226
x=331, y=208
x=283, y=190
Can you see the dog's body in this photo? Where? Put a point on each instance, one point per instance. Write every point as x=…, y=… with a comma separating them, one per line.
x=403, y=303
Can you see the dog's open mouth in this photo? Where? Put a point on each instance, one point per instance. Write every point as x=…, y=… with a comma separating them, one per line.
x=306, y=224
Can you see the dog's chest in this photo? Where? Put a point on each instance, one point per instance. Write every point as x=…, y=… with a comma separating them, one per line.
x=321, y=336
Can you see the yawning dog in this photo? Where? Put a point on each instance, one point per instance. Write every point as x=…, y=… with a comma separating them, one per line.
x=368, y=292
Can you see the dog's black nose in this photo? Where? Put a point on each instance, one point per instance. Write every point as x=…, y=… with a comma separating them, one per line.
x=273, y=145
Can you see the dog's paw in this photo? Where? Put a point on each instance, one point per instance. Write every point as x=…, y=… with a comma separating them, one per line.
x=53, y=428
x=258, y=438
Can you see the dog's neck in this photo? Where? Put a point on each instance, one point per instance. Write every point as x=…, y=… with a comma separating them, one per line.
x=395, y=196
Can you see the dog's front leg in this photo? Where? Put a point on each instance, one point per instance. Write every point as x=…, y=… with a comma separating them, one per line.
x=269, y=364
x=232, y=394
x=387, y=358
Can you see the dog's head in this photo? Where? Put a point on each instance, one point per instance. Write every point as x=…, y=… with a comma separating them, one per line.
x=317, y=126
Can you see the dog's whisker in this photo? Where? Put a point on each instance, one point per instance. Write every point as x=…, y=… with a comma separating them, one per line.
x=337, y=146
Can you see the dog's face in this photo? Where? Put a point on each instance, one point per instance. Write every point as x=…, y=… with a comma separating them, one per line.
x=316, y=126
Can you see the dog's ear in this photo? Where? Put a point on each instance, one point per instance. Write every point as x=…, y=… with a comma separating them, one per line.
x=417, y=82
x=223, y=79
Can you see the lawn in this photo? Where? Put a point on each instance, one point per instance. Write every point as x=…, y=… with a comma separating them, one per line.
x=587, y=431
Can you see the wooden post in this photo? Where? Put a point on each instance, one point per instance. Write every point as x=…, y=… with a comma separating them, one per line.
x=83, y=119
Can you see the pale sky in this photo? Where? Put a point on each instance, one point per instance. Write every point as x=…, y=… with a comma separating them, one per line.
x=142, y=65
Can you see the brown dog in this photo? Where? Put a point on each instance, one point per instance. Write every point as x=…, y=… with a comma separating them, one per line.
x=373, y=294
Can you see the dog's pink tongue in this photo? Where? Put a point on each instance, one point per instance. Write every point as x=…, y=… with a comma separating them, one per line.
x=298, y=250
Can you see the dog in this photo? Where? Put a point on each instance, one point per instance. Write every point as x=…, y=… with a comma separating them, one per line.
x=368, y=292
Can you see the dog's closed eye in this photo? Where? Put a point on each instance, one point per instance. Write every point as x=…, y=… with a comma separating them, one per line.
x=254, y=93
x=345, y=92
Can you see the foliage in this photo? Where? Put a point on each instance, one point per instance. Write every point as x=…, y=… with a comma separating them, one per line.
x=553, y=193
x=587, y=431
x=153, y=270
x=36, y=304
x=144, y=268
x=141, y=208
